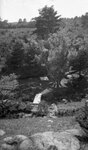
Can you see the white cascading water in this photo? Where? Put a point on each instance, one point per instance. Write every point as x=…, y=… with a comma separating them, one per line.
x=37, y=98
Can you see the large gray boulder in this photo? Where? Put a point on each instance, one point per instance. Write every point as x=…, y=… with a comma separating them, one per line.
x=15, y=139
x=57, y=140
x=26, y=145
x=13, y=143
x=50, y=140
x=7, y=147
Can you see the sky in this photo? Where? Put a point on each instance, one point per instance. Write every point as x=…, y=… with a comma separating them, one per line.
x=12, y=10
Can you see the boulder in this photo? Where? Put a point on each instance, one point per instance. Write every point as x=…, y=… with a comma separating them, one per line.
x=17, y=139
x=8, y=140
x=53, y=110
x=77, y=132
x=26, y=145
x=7, y=147
x=50, y=140
x=20, y=138
x=16, y=142
x=59, y=140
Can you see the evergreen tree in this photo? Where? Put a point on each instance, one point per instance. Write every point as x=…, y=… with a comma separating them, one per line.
x=15, y=61
x=47, y=22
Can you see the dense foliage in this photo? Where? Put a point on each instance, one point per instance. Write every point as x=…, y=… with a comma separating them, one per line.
x=61, y=54
x=8, y=87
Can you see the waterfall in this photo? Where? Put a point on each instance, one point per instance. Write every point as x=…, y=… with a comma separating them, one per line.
x=37, y=98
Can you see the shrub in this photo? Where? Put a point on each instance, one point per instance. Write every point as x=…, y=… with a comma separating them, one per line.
x=82, y=117
x=42, y=108
x=15, y=60
x=8, y=86
x=5, y=52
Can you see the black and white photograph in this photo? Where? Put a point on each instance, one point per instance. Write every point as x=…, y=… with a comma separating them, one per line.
x=43, y=74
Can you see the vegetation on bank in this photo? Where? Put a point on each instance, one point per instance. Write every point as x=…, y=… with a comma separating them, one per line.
x=55, y=47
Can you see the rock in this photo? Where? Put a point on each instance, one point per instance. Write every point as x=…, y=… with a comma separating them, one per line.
x=86, y=147
x=34, y=109
x=40, y=141
x=13, y=143
x=77, y=132
x=15, y=139
x=44, y=78
x=66, y=141
x=2, y=132
x=8, y=140
x=51, y=121
x=21, y=114
x=27, y=115
x=7, y=147
x=53, y=110
x=20, y=138
x=64, y=101
x=26, y=145
x=50, y=140
x=60, y=141
x=52, y=147
x=85, y=131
